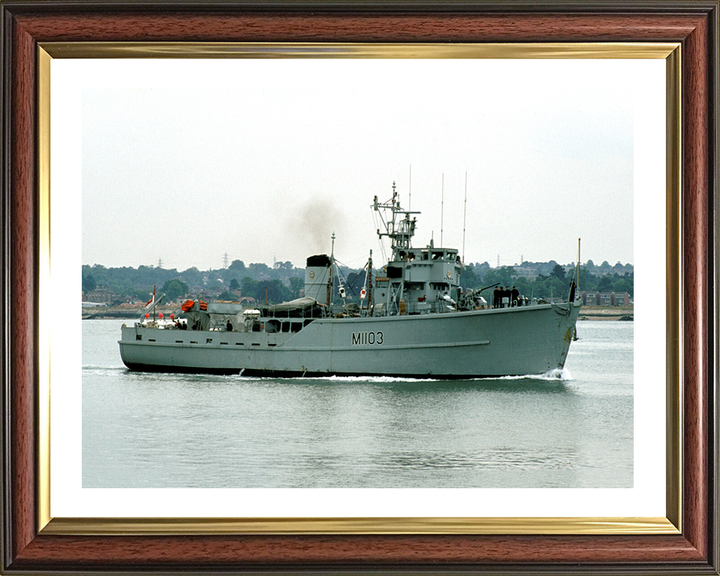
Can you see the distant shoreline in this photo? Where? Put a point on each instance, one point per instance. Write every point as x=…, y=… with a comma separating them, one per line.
x=110, y=312
x=606, y=313
x=616, y=313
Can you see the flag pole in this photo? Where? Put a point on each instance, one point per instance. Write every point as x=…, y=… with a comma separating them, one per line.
x=578, y=267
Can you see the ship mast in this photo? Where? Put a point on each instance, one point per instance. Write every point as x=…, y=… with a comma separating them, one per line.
x=398, y=225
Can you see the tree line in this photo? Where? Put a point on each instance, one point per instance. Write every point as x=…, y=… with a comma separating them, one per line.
x=555, y=283
x=280, y=281
x=283, y=281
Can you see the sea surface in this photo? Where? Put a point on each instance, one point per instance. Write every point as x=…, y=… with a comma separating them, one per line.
x=568, y=430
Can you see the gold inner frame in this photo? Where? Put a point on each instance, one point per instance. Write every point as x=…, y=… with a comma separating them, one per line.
x=671, y=524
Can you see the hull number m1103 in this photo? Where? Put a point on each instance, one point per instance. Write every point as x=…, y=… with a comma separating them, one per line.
x=367, y=338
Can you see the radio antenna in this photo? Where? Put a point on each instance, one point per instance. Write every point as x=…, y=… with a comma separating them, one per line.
x=442, y=207
x=464, y=218
x=410, y=189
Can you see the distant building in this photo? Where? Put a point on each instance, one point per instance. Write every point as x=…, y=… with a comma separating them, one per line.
x=605, y=298
x=101, y=295
x=590, y=298
x=621, y=299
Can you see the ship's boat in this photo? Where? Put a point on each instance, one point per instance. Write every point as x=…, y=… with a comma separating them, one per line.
x=413, y=319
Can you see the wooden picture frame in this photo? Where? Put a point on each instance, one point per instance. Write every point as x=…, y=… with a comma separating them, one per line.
x=29, y=547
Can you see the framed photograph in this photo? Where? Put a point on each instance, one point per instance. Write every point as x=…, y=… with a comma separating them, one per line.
x=100, y=101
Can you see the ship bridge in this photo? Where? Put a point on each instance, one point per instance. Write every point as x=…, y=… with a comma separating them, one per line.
x=415, y=280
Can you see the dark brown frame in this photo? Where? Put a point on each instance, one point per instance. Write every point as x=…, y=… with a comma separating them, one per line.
x=26, y=23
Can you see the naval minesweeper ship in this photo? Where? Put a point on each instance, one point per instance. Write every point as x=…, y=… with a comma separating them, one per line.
x=414, y=320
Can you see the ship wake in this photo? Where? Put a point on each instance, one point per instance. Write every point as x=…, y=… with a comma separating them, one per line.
x=561, y=374
x=557, y=375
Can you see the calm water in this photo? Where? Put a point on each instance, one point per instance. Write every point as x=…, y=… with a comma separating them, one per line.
x=167, y=430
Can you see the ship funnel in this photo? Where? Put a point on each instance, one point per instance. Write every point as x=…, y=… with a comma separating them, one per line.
x=317, y=278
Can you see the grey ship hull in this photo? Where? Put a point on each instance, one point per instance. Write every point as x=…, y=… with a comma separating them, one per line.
x=489, y=342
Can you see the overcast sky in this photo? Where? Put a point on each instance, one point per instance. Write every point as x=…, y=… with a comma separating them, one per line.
x=186, y=161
